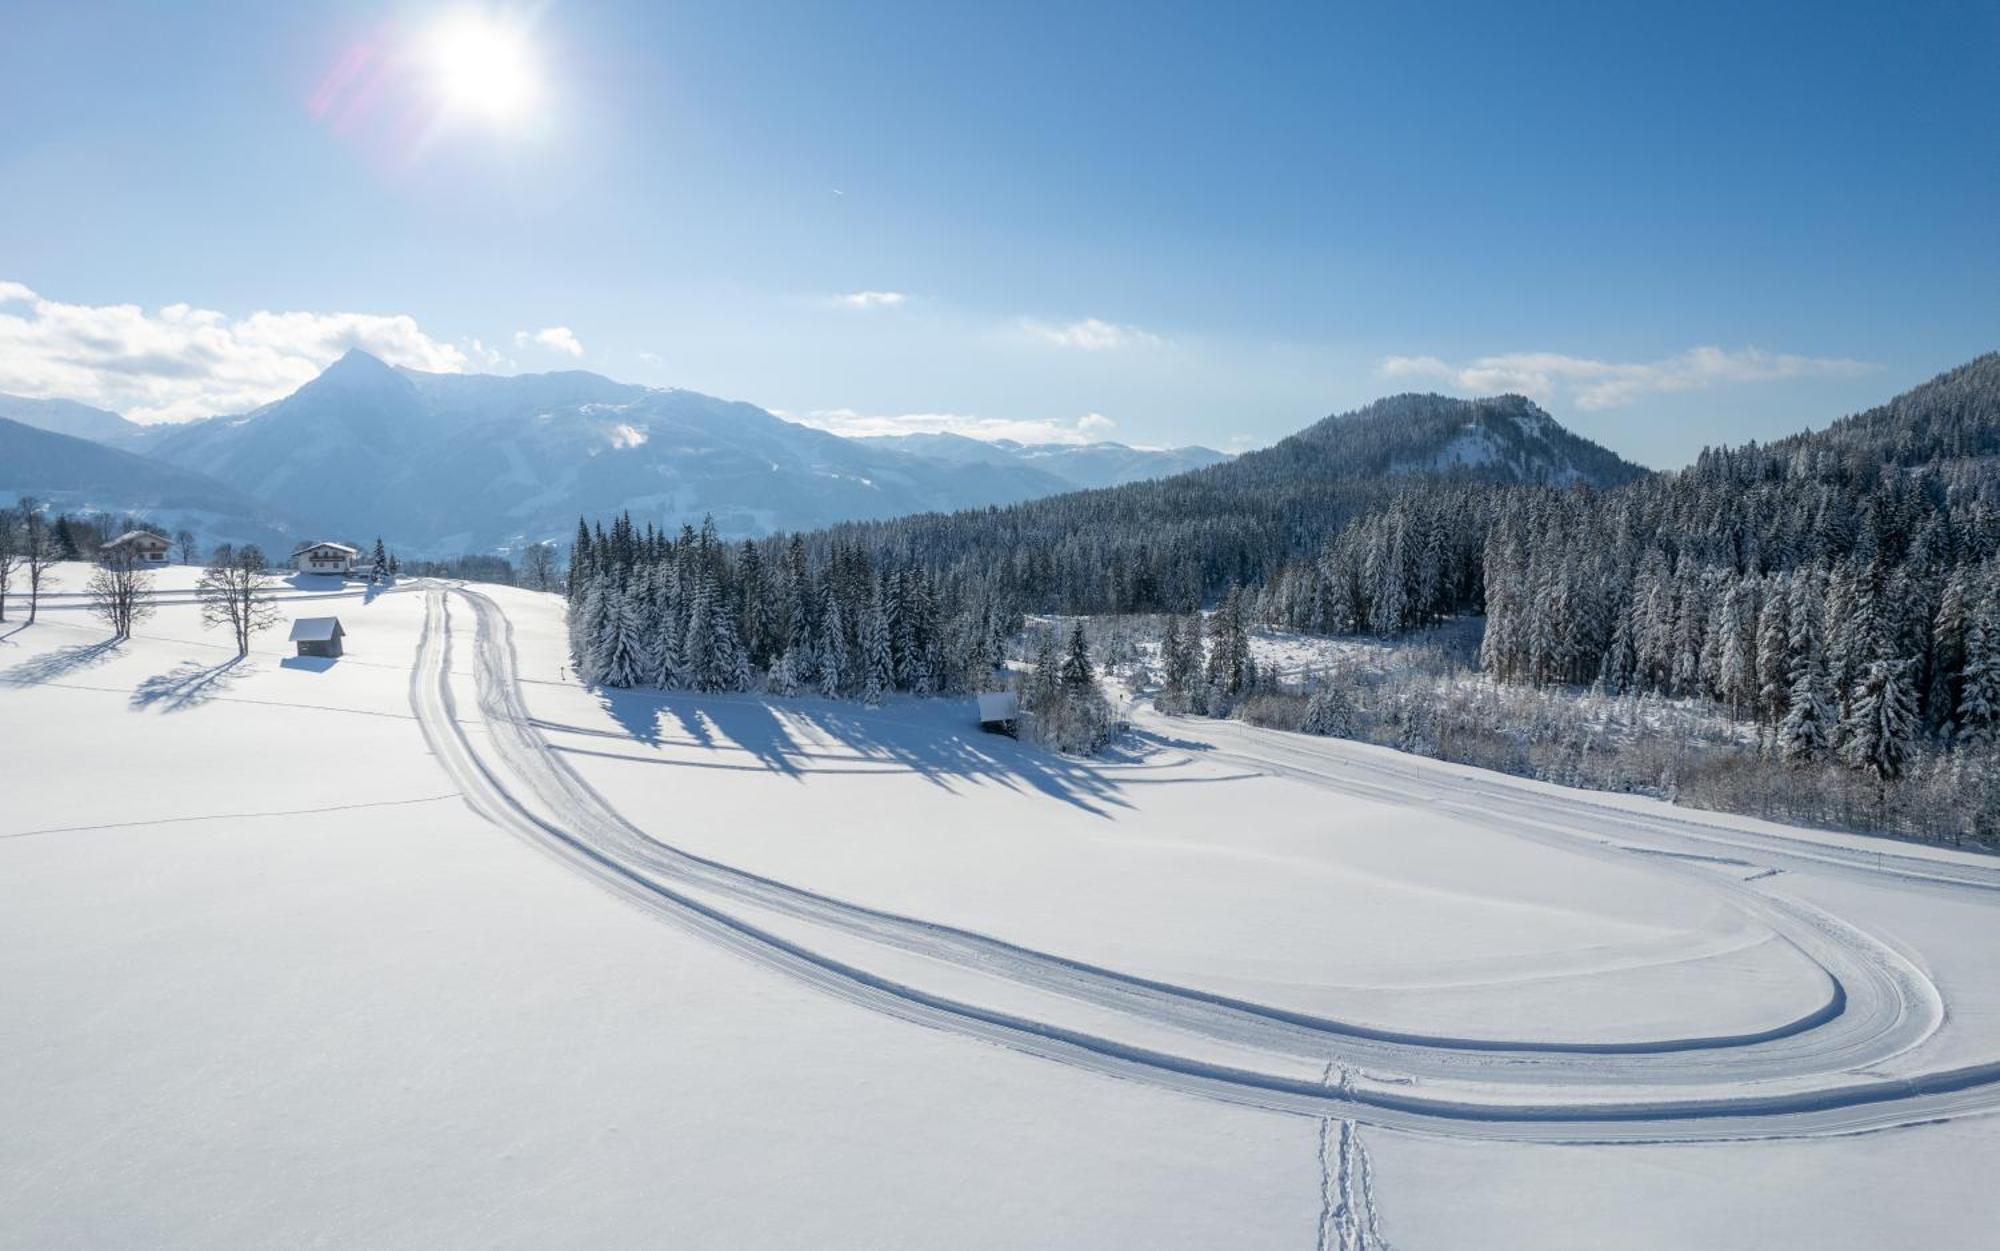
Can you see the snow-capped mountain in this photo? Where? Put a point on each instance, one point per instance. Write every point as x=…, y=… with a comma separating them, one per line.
x=71, y=418
x=457, y=462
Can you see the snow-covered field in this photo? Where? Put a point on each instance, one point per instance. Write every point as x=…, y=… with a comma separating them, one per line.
x=431, y=946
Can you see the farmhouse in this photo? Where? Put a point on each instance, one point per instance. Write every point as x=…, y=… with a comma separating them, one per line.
x=139, y=546
x=325, y=558
x=318, y=636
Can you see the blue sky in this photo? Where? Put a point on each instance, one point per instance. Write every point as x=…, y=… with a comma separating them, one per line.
x=1160, y=223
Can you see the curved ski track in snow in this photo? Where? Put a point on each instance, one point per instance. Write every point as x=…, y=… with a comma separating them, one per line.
x=1801, y=1078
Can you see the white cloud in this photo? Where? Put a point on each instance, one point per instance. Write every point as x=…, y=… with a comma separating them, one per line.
x=1595, y=384
x=488, y=357
x=1091, y=334
x=181, y=362
x=554, y=338
x=652, y=358
x=1089, y=428
x=865, y=300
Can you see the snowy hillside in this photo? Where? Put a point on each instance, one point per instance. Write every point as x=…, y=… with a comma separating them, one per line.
x=476, y=955
x=77, y=475
x=1506, y=438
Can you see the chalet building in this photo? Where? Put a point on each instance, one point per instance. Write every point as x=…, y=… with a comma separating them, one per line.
x=318, y=636
x=141, y=547
x=334, y=558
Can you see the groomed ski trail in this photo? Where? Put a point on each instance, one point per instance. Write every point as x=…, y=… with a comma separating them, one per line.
x=1538, y=1091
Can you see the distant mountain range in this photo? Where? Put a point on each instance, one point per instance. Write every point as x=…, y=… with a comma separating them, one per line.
x=76, y=475
x=449, y=463
x=1080, y=465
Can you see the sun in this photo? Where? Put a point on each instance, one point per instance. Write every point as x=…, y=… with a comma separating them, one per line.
x=484, y=67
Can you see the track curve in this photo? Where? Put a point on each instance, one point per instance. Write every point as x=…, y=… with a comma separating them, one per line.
x=1795, y=1079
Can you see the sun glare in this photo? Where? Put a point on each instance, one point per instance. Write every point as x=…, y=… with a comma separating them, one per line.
x=484, y=68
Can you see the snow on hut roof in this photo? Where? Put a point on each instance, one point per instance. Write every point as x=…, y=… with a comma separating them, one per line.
x=130, y=535
x=999, y=706
x=315, y=629
x=306, y=547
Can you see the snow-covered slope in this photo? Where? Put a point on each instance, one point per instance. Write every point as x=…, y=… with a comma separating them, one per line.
x=476, y=956
x=447, y=462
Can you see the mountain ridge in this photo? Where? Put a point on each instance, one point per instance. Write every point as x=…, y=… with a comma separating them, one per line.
x=482, y=462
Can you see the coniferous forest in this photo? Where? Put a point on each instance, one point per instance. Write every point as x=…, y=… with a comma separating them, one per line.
x=1836, y=592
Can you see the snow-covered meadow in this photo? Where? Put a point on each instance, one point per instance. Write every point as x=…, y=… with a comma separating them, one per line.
x=431, y=945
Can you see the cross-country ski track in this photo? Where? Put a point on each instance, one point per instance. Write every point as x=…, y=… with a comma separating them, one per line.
x=1811, y=1075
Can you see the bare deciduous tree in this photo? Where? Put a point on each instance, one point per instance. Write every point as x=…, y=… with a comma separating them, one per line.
x=39, y=553
x=235, y=592
x=184, y=540
x=121, y=593
x=10, y=555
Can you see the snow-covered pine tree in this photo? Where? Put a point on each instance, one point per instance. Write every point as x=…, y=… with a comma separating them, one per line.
x=1881, y=727
x=1979, y=679
x=378, y=570
x=1194, y=661
x=784, y=679
x=1953, y=622
x=1077, y=674
x=1045, y=678
x=622, y=655
x=1773, y=639
x=1173, y=678
x=663, y=639
x=878, y=665
x=831, y=664
x=730, y=658
x=587, y=627
x=698, y=661
x=1229, y=644
x=1328, y=712
x=1806, y=732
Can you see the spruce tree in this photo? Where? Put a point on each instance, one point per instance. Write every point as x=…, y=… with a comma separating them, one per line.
x=1882, y=720
x=1807, y=730
x=1077, y=675
x=1979, y=680
x=831, y=664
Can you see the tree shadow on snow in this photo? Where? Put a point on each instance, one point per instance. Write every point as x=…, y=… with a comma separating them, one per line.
x=636, y=713
x=796, y=737
x=59, y=663
x=187, y=685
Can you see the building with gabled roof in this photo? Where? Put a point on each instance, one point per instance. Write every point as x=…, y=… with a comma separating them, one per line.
x=318, y=636
x=142, y=547
x=325, y=557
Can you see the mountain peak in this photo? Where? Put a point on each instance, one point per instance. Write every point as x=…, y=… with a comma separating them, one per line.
x=356, y=362
x=1496, y=438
